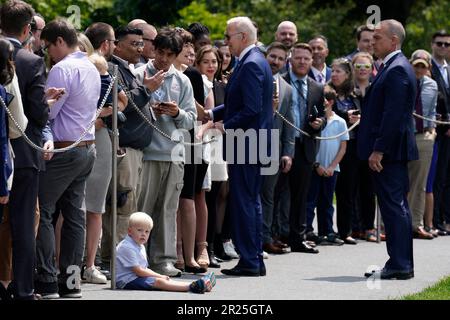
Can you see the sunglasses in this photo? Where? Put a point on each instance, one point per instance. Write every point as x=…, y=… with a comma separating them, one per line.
x=442, y=44
x=363, y=66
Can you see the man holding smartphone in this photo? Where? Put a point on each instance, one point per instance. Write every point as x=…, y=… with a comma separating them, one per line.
x=307, y=93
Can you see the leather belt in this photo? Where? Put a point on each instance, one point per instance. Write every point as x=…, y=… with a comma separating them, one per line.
x=64, y=144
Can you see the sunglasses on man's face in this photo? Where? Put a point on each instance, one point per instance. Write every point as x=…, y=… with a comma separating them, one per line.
x=363, y=66
x=442, y=44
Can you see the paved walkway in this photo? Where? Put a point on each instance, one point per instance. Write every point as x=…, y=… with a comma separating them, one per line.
x=334, y=273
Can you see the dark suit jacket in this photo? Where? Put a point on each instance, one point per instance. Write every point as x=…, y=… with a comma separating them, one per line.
x=327, y=74
x=135, y=132
x=248, y=102
x=386, y=116
x=287, y=133
x=30, y=70
x=443, y=100
x=315, y=98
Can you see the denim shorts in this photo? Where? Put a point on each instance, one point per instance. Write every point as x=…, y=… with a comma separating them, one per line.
x=141, y=283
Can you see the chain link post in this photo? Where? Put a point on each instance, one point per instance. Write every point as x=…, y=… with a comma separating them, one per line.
x=115, y=144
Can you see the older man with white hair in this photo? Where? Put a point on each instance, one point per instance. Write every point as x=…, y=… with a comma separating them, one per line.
x=248, y=107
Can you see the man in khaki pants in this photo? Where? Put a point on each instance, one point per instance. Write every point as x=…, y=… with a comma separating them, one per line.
x=425, y=134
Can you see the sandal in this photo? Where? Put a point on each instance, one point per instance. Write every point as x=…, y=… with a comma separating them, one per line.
x=371, y=236
x=202, y=255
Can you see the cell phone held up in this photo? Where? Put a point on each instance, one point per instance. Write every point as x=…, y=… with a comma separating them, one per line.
x=313, y=115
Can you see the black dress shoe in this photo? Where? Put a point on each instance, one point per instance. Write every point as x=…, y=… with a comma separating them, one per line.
x=213, y=263
x=303, y=247
x=5, y=293
x=391, y=274
x=350, y=240
x=194, y=269
x=242, y=272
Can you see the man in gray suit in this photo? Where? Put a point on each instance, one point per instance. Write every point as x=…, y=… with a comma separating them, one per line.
x=282, y=101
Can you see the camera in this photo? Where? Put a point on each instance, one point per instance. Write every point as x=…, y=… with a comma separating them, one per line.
x=313, y=115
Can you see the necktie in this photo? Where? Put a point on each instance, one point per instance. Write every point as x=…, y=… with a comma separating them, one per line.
x=319, y=78
x=381, y=67
x=419, y=110
x=301, y=104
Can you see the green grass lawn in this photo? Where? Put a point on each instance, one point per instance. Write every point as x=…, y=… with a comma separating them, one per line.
x=439, y=291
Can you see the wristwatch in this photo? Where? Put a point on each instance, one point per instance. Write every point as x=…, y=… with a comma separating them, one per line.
x=316, y=165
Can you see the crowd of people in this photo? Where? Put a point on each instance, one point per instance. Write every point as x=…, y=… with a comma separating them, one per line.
x=345, y=130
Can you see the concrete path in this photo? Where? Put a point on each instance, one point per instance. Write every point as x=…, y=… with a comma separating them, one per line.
x=334, y=273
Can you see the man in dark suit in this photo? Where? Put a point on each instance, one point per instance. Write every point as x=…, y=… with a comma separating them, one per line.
x=309, y=116
x=276, y=56
x=319, y=70
x=386, y=139
x=15, y=18
x=440, y=72
x=248, y=107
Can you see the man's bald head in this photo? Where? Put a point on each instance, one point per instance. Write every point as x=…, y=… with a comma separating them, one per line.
x=149, y=34
x=287, y=33
x=134, y=23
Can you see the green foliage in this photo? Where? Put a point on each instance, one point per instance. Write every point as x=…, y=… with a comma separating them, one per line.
x=329, y=20
x=426, y=18
x=197, y=11
x=51, y=9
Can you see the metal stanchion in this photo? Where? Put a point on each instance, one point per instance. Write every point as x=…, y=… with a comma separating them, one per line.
x=378, y=217
x=115, y=144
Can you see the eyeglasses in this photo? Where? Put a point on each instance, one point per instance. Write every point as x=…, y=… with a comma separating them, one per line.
x=363, y=65
x=228, y=36
x=44, y=48
x=442, y=44
x=137, y=44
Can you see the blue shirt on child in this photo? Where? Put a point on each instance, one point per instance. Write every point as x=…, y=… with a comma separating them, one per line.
x=129, y=254
x=328, y=149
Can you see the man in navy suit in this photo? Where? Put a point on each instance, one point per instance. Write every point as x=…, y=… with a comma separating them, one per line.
x=386, y=139
x=247, y=107
x=16, y=17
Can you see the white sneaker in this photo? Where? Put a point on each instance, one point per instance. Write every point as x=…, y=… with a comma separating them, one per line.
x=265, y=255
x=228, y=247
x=93, y=275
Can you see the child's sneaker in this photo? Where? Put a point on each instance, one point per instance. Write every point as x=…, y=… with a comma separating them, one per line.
x=210, y=280
x=204, y=284
x=198, y=286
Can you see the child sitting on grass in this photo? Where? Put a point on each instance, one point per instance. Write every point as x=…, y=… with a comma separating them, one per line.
x=131, y=261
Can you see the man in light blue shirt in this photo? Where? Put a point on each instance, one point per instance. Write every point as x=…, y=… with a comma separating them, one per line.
x=65, y=177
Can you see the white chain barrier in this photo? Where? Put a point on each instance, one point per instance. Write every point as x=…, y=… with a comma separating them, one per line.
x=315, y=137
x=431, y=120
x=156, y=128
x=73, y=145
x=352, y=127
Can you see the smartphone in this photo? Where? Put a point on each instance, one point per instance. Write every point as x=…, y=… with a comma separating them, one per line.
x=313, y=115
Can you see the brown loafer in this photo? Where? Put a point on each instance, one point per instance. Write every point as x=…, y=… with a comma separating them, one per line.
x=273, y=249
x=420, y=233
